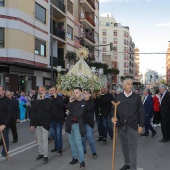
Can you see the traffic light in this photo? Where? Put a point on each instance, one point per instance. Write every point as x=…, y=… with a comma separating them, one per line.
x=111, y=46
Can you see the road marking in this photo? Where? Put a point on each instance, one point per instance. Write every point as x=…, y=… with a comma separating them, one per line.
x=22, y=150
x=26, y=145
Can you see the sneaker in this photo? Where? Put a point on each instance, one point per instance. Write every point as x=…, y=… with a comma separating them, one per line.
x=158, y=125
x=45, y=159
x=154, y=125
x=28, y=119
x=104, y=141
x=21, y=121
x=94, y=155
x=82, y=165
x=59, y=152
x=39, y=157
x=74, y=161
x=24, y=120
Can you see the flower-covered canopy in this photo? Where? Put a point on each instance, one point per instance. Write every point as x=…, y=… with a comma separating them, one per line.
x=81, y=75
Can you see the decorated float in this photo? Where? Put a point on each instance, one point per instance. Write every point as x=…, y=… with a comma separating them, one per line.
x=80, y=75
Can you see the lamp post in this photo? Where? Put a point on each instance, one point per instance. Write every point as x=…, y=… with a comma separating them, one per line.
x=59, y=69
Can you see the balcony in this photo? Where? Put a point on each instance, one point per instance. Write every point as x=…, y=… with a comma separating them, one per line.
x=60, y=6
x=89, y=37
x=88, y=5
x=59, y=33
x=58, y=62
x=87, y=21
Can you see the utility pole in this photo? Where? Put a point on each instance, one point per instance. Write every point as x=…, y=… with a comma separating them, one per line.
x=51, y=23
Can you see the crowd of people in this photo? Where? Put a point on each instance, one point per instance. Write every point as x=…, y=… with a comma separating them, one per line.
x=48, y=111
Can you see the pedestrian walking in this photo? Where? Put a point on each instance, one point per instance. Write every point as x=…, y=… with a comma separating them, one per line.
x=5, y=119
x=149, y=112
x=74, y=126
x=89, y=123
x=165, y=113
x=40, y=119
x=15, y=115
x=58, y=117
x=130, y=122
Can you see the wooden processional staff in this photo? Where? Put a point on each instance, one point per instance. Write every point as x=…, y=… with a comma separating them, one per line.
x=114, y=134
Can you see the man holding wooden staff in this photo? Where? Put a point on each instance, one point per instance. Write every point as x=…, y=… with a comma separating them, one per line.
x=5, y=119
x=130, y=122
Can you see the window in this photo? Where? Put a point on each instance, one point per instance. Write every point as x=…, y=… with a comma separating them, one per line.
x=115, y=32
x=40, y=13
x=104, y=40
x=115, y=40
x=107, y=24
x=1, y=2
x=70, y=6
x=40, y=47
x=104, y=32
x=1, y=37
x=69, y=32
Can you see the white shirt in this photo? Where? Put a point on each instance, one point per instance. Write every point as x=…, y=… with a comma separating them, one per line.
x=145, y=99
x=127, y=95
x=162, y=96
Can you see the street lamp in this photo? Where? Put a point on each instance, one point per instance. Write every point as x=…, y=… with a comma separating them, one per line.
x=59, y=69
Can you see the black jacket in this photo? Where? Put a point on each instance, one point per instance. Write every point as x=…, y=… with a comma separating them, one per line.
x=5, y=111
x=15, y=109
x=130, y=111
x=58, y=114
x=77, y=110
x=89, y=115
x=104, y=104
x=41, y=113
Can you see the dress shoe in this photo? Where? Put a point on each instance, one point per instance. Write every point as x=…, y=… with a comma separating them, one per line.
x=144, y=134
x=100, y=139
x=163, y=140
x=45, y=159
x=39, y=157
x=125, y=167
x=54, y=150
x=153, y=134
x=74, y=161
x=14, y=141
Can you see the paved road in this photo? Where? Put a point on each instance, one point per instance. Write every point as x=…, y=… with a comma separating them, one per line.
x=152, y=155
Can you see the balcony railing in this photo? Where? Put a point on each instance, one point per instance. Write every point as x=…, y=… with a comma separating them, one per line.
x=59, y=33
x=58, y=62
x=91, y=4
x=86, y=16
x=89, y=37
x=59, y=4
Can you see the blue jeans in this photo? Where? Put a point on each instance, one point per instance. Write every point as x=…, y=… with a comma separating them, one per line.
x=57, y=127
x=75, y=142
x=6, y=137
x=51, y=131
x=110, y=126
x=102, y=124
x=90, y=138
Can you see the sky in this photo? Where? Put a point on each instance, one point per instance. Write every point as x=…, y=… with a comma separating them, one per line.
x=149, y=25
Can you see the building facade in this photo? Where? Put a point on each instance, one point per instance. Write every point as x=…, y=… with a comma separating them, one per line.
x=123, y=53
x=168, y=65
x=137, y=66
x=36, y=34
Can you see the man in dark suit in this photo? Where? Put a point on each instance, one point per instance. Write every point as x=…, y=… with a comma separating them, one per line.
x=165, y=113
x=148, y=106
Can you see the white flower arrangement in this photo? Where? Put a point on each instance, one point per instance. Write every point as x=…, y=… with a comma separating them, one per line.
x=82, y=52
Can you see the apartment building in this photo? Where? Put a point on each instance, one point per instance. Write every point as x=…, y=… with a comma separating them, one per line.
x=123, y=53
x=36, y=34
x=137, y=65
x=168, y=65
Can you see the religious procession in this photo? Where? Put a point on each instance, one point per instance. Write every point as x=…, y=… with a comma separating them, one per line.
x=79, y=102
